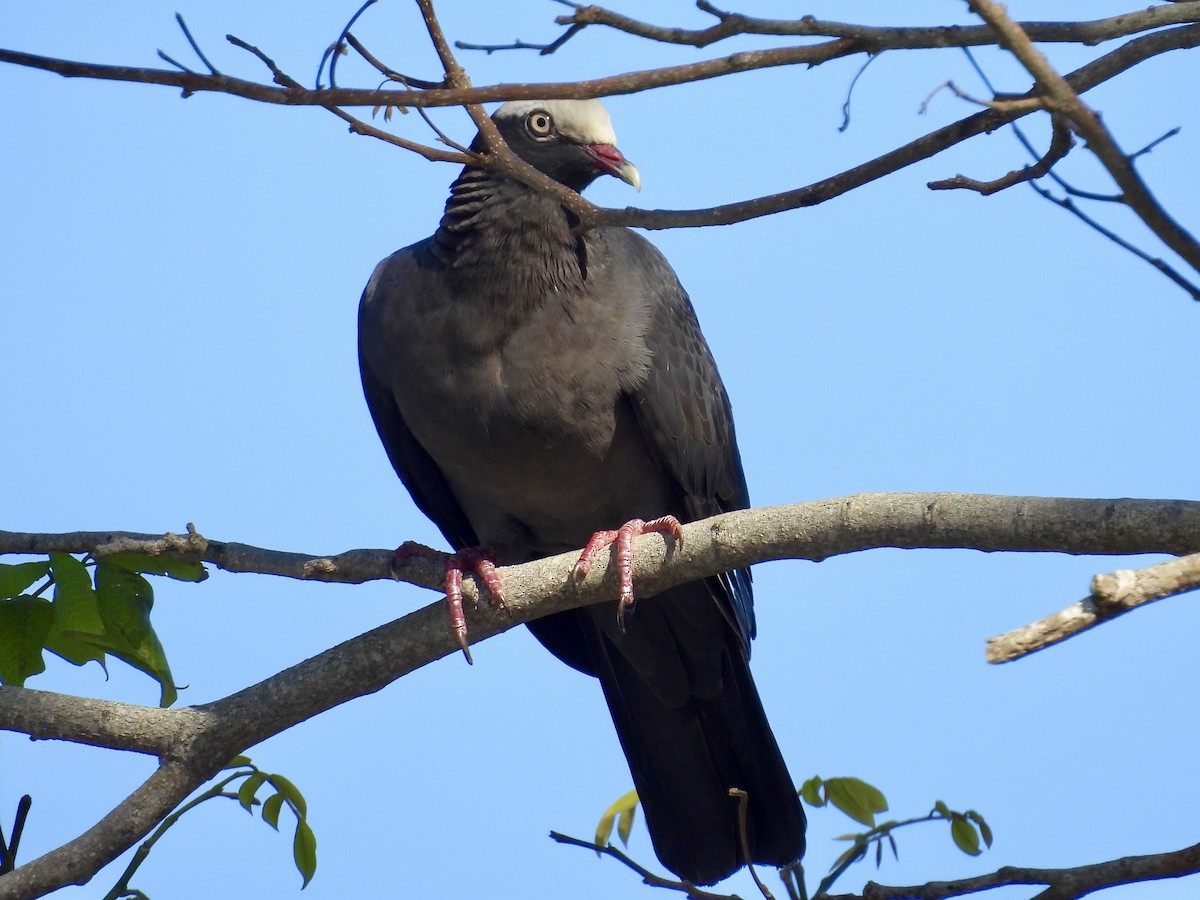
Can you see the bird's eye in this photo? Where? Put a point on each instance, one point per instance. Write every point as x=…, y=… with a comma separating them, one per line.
x=539, y=124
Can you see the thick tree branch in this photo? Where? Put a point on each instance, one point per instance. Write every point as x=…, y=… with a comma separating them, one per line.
x=814, y=530
x=211, y=734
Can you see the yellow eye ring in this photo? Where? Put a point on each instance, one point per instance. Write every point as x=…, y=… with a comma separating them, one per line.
x=539, y=123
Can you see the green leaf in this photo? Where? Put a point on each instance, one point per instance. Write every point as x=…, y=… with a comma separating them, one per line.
x=125, y=599
x=291, y=793
x=239, y=761
x=304, y=851
x=179, y=569
x=984, y=828
x=964, y=835
x=24, y=624
x=270, y=811
x=857, y=799
x=942, y=809
x=624, y=806
x=78, y=633
x=249, y=788
x=810, y=791
x=14, y=579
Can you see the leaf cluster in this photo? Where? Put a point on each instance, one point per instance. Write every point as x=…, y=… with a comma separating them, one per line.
x=253, y=779
x=83, y=616
x=863, y=802
x=859, y=800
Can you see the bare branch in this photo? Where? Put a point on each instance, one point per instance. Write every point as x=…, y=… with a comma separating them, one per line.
x=1061, y=143
x=1112, y=595
x=815, y=530
x=1061, y=884
x=1064, y=99
x=649, y=878
x=1084, y=78
x=1160, y=264
x=880, y=38
x=195, y=47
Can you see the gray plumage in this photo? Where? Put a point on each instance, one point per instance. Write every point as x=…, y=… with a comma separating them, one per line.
x=532, y=386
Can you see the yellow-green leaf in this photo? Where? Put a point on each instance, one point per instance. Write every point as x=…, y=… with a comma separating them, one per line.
x=624, y=807
x=810, y=791
x=964, y=835
x=857, y=799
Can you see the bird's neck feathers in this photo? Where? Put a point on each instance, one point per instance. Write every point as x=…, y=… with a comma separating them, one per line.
x=505, y=239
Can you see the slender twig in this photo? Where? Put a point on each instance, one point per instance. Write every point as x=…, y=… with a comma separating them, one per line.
x=121, y=888
x=195, y=47
x=743, y=828
x=388, y=72
x=1161, y=265
x=177, y=64
x=8, y=849
x=850, y=90
x=650, y=878
x=1154, y=143
x=335, y=50
x=543, y=49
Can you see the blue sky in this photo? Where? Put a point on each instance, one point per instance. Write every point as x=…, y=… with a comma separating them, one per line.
x=178, y=289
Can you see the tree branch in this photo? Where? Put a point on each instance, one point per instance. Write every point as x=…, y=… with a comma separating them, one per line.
x=1112, y=595
x=880, y=38
x=1086, y=77
x=211, y=734
x=1061, y=96
x=1061, y=884
x=1060, y=144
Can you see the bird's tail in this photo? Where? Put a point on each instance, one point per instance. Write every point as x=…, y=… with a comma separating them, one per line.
x=688, y=747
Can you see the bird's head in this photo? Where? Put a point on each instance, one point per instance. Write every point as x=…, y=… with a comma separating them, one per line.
x=572, y=141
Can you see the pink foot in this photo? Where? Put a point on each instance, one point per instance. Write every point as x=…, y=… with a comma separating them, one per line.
x=479, y=560
x=623, y=539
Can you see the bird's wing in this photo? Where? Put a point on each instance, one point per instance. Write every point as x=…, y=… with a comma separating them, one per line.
x=417, y=470
x=685, y=414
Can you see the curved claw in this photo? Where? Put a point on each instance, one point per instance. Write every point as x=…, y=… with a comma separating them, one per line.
x=479, y=560
x=622, y=539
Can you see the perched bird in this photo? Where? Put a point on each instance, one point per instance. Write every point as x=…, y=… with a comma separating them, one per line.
x=533, y=385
